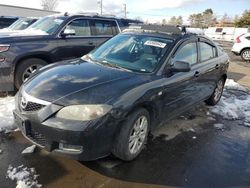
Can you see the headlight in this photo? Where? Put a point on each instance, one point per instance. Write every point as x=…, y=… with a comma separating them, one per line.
x=4, y=47
x=83, y=112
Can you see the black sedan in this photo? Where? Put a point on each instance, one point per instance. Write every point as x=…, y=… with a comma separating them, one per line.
x=109, y=100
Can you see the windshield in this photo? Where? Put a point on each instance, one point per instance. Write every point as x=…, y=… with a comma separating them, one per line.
x=21, y=24
x=138, y=53
x=47, y=24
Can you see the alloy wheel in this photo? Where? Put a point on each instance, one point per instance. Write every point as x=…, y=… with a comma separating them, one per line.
x=218, y=91
x=246, y=55
x=29, y=71
x=138, y=134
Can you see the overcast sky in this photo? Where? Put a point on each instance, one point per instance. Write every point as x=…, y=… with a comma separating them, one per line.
x=146, y=9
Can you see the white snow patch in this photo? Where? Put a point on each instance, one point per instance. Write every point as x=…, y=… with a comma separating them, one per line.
x=6, y=116
x=231, y=106
x=219, y=126
x=29, y=149
x=211, y=119
x=231, y=84
x=24, y=177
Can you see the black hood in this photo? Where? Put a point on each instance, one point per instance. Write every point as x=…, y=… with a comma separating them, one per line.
x=22, y=35
x=79, y=82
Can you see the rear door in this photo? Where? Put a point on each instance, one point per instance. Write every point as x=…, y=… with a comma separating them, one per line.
x=103, y=30
x=209, y=68
x=77, y=45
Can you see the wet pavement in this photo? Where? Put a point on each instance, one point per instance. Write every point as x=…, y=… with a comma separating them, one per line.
x=195, y=155
x=189, y=151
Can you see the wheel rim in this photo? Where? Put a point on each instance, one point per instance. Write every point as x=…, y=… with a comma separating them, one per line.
x=138, y=134
x=29, y=71
x=246, y=55
x=218, y=90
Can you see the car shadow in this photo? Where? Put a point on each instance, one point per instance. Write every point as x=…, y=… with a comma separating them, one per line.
x=162, y=162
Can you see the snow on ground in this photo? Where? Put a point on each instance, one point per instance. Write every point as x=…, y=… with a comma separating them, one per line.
x=6, y=116
x=29, y=149
x=219, y=126
x=234, y=104
x=24, y=177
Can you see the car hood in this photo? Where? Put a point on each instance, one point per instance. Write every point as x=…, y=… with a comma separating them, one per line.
x=13, y=36
x=79, y=82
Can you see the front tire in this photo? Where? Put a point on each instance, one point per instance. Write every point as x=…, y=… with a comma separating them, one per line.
x=215, y=97
x=26, y=68
x=133, y=135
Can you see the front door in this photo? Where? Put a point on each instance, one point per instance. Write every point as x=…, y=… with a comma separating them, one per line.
x=181, y=88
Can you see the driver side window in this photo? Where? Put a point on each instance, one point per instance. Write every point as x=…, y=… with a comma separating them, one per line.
x=187, y=53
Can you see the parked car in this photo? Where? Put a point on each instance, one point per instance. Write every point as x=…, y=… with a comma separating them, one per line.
x=20, y=24
x=109, y=100
x=242, y=46
x=51, y=39
x=6, y=21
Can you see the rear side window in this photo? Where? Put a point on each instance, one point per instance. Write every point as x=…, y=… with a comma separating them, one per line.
x=80, y=26
x=207, y=51
x=103, y=27
x=187, y=53
x=248, y=38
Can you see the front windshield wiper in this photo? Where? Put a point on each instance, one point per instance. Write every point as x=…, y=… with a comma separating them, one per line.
x=113, y=65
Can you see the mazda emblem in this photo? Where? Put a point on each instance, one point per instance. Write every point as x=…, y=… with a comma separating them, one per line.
x=24, y=102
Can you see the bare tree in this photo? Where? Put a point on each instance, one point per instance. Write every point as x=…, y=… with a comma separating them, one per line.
x=49, y=4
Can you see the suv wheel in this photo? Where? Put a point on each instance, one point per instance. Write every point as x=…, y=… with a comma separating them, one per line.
x=215, y=98
x=245, y=55
x=26, y=68
x=133, y=135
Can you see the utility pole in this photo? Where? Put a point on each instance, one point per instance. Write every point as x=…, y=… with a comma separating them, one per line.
x=125, y=10
x=100, y=2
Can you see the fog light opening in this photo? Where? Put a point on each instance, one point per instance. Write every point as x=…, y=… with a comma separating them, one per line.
x=70, y=148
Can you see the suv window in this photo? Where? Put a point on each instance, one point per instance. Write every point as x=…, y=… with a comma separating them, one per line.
x=80, y=26
x=103, y=27
x=248, y=38
x=207, y=51
x=187, y=53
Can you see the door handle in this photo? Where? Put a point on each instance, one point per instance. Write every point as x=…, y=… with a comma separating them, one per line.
x=217, y=66
x=90, y=43
x=197, y=74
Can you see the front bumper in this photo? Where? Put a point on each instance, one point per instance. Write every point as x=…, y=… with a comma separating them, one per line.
x=48, y=132
x=7, y=77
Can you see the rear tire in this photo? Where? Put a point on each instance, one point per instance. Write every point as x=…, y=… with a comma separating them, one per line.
x=215, y=97
x=26, y=68
x=133, y=135
x=245, y=55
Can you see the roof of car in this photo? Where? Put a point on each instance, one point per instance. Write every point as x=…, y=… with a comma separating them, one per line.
x=96, y=15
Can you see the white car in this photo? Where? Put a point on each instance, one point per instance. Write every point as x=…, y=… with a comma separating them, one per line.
x=242, y=46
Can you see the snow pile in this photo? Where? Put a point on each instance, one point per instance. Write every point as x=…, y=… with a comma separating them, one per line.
x=234, y=104
x=231, y=84
x=25, y=177
x=29, y=149
x=6, y=116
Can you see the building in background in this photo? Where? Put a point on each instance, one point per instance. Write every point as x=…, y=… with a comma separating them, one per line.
x=9, y=10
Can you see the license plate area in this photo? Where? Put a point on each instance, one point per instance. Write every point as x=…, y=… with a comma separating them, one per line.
x=22, y=122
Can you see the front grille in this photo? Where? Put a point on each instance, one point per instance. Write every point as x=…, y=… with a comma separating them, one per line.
x=37, y=137
x=31, y=107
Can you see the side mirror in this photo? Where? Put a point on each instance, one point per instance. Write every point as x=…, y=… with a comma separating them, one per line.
x=180, y=66
x=68, y=32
